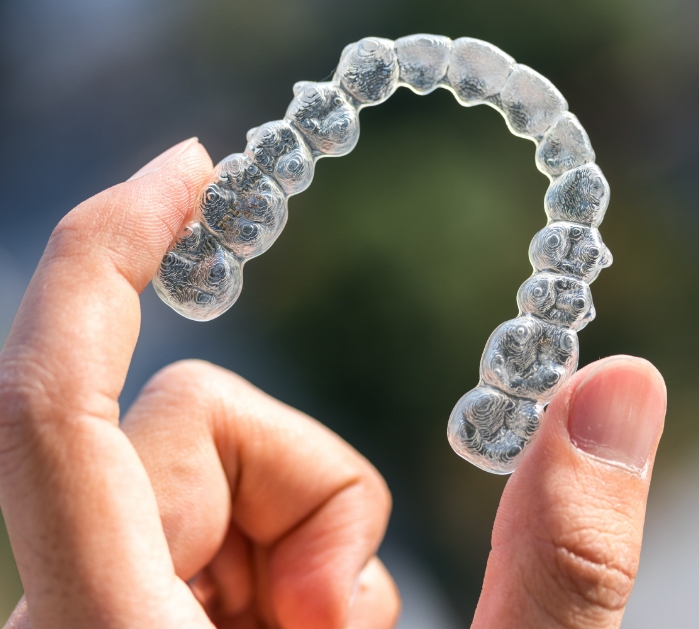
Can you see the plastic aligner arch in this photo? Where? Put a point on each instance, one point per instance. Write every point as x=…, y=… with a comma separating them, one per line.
x=526, y=360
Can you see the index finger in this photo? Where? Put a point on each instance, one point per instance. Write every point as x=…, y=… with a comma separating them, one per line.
x=79, y=319
x=69, y=478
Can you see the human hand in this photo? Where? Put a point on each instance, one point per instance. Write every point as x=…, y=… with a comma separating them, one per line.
x=272, y=519
x=279, y=518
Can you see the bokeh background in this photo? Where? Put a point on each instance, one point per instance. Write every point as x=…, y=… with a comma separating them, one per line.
x=372, y=309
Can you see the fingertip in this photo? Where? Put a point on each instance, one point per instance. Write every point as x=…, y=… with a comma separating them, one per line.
x=174, y=180
x=159, y=161
x=139, y=218
x=617, y=404
x=376, y=601
x=625, y=364
x=617, y=412
x=192, y=163
x=135, y=222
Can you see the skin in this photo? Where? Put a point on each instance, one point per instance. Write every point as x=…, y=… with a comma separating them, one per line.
x=212, y=504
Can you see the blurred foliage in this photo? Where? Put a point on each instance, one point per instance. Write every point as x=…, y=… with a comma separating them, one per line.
x=403, y=256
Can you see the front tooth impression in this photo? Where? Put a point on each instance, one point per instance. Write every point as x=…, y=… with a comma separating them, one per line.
x=477, y=70
x=368, y=70
x=423, y=61
x=531, y=102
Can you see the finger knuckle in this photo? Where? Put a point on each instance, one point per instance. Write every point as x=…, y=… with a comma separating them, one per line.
x=36, y=410
x=369, y=488
x=181, y=373
x=24, y=398
x=595, y=569
x=188, y=378
x=203, y=388
x=10, y=434
x=76, y=230
x=379, y=488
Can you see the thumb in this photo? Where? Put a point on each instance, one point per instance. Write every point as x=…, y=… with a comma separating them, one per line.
x=567, y=537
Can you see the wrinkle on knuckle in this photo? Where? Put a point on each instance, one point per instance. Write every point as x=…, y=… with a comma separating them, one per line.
x=597, y=584
x=595, y=568
x=68, y=238
x=25, y=387
x=33, y=406
x=22, y=400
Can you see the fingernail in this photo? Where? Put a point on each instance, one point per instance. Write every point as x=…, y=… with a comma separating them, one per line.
x=617, y=412
x=164, y=158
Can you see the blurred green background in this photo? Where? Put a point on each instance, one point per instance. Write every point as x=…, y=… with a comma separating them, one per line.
x=372, y=309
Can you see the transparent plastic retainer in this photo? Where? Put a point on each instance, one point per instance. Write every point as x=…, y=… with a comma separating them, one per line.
x=527, y=359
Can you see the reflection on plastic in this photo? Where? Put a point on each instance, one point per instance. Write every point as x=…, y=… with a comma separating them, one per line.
x=526, y=360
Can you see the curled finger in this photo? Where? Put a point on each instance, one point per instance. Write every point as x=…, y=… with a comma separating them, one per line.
x=222, y=455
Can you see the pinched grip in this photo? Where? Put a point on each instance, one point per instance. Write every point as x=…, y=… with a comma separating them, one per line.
x=526, y=360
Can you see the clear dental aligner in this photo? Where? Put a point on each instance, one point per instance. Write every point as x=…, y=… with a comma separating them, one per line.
x=526, y=360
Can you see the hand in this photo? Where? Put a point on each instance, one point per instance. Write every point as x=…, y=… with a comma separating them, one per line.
x=272, y=515
x=212, y=497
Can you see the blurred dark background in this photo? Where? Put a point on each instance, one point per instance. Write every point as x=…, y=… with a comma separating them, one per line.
x=372, y=309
